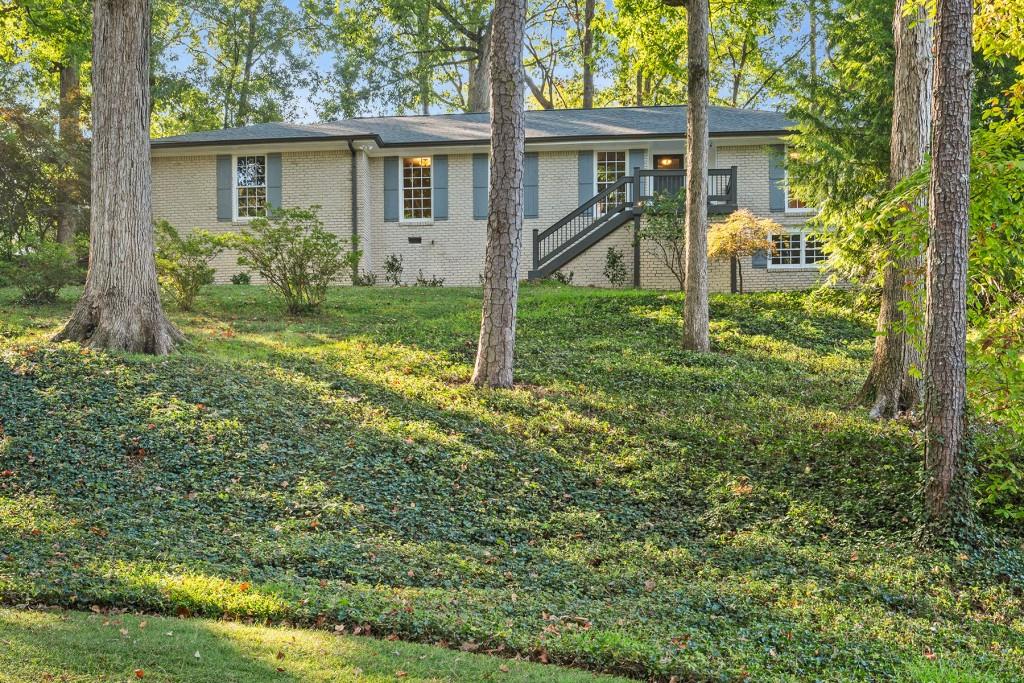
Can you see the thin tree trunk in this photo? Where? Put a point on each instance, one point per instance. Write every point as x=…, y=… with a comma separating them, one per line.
x=588, y=54
x=479, y=97
x=70, y=132
x=696, y=333
x=120, y=308
x=945, y=412
x=423, y=71
x=242, y=117
x=890, y=387
x=639, y=87
x=812, y=42
x=495, y=353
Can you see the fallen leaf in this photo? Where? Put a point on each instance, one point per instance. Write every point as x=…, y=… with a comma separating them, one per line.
x=139, y=673
x=280, y=655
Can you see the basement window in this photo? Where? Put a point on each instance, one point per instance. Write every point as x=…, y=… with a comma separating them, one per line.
x=796, y=250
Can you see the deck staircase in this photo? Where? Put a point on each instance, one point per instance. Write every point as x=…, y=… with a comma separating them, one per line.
x=622, y=202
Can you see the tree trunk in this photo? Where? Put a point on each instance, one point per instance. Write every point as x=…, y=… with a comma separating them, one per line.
x=639, y=87
x=812, y=42
x=890, y=388
x=120, y=308
x=242, y=117
x=424, y=80
x=696, y=333
x=588, y=54
x=494, y=357
x=479, y=97
x=945, y=412
x=70, y=132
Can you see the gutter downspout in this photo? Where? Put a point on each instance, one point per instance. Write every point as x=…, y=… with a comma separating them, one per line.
x=355, y=205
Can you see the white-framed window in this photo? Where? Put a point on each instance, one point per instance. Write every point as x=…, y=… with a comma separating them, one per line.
x=794, y=205
x=417, y=189
x=797, y=249
x=250, y=186
x=609, y=166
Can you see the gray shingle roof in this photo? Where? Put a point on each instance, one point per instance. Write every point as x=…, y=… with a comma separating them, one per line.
x=389, y=131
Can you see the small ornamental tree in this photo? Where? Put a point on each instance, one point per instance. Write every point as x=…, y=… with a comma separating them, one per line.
x=663, y=227
x=740, y=235
x=183, y=263
x=293, y=252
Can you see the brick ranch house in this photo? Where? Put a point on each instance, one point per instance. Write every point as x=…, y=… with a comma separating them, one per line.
x=416, y=186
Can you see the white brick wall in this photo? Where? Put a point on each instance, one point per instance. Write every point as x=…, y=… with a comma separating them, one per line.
x=184, y=193
x=454, y=248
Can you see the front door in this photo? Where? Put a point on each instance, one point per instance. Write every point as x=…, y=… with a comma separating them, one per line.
x=668, y=184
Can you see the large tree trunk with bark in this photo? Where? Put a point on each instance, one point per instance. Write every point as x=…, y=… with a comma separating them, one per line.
x=588, y=53
x=945, y=412
x=69, y=129
x=890, y=387
x=696, y=333
x=479, y=96
x=495, y=353
x=120, y=308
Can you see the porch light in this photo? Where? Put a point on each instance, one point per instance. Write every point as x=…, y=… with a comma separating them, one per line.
x=665, y=162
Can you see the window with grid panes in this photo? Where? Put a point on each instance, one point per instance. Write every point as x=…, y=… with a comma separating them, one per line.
x=610, y=167
x=416, y=189
x=796, y=249
x=250, y=186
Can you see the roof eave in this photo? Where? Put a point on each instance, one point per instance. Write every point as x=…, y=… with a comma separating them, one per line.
x=156, y=144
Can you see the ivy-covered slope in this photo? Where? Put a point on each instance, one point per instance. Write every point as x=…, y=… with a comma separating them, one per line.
x=630, y=507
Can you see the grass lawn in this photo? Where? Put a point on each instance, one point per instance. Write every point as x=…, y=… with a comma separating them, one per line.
x=630, y=507
x=72, y=646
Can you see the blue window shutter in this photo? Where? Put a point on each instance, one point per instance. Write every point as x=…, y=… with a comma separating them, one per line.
x=274, y=180
x=391, y=189
x=531, y=185
x=480, y=186
x=636, y=160
x=439, y=169
x=586, y=175
x=777, y=177
x=759, y=259
x=225, y=211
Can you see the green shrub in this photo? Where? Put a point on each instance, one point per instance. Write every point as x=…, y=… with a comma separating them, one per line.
x=393, y=269
x=615, y=267
x=352, y=258
x=241, y=278
x=432, y=281
x=295, y=254
x=183, y=263
x=367, y=278
x=40, y=270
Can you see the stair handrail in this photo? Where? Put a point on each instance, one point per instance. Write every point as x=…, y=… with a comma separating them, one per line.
x=595, y=221
x=634, y=200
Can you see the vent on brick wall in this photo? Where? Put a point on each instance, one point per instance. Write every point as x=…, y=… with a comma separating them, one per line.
x=415, y=240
